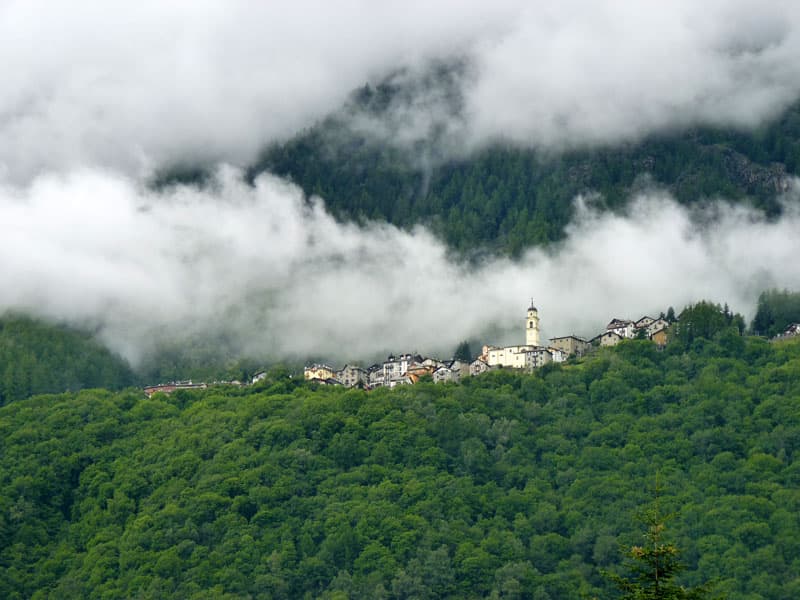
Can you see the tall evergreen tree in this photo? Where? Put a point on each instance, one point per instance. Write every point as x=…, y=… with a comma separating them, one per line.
x=463, y=352
x=653, y=566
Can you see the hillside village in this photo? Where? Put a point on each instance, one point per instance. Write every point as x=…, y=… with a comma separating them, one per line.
x=406, y=369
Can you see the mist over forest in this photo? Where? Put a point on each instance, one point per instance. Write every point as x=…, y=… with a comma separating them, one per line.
x=278, y=180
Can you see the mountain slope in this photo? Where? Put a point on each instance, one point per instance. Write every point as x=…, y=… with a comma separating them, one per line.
x=506, y=198
x=514, y=485
x=38, y=357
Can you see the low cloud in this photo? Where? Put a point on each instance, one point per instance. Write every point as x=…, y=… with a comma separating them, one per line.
x=282, y=278
x=137, y=86
x=597, y=73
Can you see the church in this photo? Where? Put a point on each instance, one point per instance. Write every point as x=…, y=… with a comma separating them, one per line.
x=530, y=355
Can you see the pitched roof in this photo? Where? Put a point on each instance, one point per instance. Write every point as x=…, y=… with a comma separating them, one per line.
x=618, y=323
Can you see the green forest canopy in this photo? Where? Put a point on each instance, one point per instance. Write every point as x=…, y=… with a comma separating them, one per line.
x=38, y=357
x=509, y=485
x=777, y=309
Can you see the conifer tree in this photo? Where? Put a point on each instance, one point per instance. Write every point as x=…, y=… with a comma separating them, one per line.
x=653, y=566
x=463, y=352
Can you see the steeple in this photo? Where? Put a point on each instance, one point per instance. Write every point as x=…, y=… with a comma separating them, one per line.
x=532, y=326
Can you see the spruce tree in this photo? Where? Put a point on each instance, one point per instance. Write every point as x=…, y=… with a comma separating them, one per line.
x=652, y=567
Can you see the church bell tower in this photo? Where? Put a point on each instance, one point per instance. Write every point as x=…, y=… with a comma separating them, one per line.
x=532, y=326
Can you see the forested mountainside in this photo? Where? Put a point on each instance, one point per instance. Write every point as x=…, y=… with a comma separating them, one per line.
x=509, y=485
x=201, y=357
x=38, y=358
x=507, y=199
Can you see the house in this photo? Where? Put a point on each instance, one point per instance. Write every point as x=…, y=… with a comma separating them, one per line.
x=538, y=357
x=655, y=326
x=791, y=331
x=660, y=337
x=443, y=375
x=570, y=345
x=623, y=328
x=459, y=368
x=432, y=362
x=478, y=366
x=258, y=377
x=352, y=376
x=375, y=376
x=454, y=370
x=319, y=371
x=394, y=369
x=643, y=323
x=608, y=338
x=418, y=370
x=557, y=354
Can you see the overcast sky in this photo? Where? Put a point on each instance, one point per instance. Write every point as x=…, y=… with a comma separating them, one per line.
x=96, y=96
x=132, y=85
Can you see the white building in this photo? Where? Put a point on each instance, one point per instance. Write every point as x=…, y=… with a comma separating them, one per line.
x=622, y=327
x=395, y=369
x=375, y=376
x=508, y=356
x=443, y=375
x=478, y=366
x=656, y=325
x=526, y=356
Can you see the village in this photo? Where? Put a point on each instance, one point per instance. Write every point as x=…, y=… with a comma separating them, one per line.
x=410, y=368
x=407, y=369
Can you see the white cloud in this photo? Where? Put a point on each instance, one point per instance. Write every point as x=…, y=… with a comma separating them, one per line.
x=282, y=277
x=599, y=72
x=96, y=96
x=133, y=86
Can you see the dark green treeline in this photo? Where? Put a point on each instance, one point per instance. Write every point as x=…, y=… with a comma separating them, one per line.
x=37, y=357
x=506, y=486
x=506, y=199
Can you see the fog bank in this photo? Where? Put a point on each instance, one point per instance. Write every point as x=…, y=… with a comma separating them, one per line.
x=137, y=86
x=284, y=279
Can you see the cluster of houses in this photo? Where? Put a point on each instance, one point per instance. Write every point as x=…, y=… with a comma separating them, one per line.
x=409, y=368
